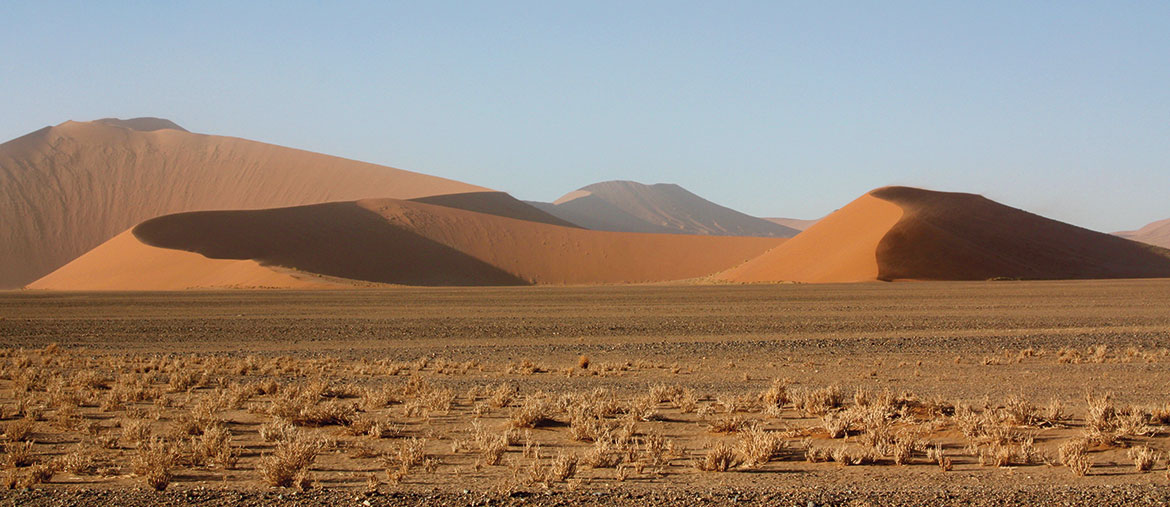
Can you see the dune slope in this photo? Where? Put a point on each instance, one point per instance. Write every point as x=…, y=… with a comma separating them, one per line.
x=403, y=242
x=954, y=236
x=628, y=206
x=897, y=233
x=839, y=248
x=71, y=187
x=1154, y=233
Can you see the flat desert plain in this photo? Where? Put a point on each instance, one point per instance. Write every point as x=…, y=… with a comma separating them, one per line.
x=932, y=393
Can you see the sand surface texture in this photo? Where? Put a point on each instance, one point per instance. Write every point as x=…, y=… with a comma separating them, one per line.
x=71, y=187
x=392, y=242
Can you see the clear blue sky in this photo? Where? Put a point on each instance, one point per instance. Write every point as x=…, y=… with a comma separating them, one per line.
x=773, y=108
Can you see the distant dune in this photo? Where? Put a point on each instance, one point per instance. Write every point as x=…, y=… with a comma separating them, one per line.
x=71, y=187
x=1155, y=233
x=793, y=223
x=387, y=241
x=900, y=233
x=627, y=206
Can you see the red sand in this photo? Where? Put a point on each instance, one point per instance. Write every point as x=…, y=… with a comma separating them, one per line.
x=396, y=242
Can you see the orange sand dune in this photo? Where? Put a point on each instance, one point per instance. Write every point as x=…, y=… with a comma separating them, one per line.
x=838, y=248
x=1155, y=233
x=126, y=263
x=398, y=242
x=896, y=233
x=71, y=187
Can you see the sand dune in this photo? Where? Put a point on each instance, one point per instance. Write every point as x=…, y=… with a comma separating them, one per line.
x=391, y=241
x=838, y=248
x=897, y=233
x=628, y=206
x=126, y=263
x=71, y=187
x=793, y=223
x=1155, y=233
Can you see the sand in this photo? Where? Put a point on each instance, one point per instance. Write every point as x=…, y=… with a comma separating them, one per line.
x=392, y=241
x=71, y=187
x=946, y=342
x=628, y=206
x=839, y=248
x=129, y=264
x=902, y=233
x=1155, y=233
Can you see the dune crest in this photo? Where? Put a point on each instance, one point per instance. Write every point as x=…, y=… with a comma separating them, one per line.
x=902, y=233
x=394, y=241
x=71, y=187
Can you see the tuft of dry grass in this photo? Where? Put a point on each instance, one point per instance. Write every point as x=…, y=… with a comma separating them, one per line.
x=154, y=462
x=20, y=430
x=1075, y=455
x=720, y=458
x=1143, y=458
x=756, y=447
x=289, y=463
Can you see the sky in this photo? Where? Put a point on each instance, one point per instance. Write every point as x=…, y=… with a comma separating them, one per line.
x=772, y=108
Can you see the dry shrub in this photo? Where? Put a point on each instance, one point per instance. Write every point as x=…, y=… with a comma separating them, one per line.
x=535, y=411
x=329, y=413
x=19, y=430
x=776, y=396
x=655, y=449
x=583, y=362
x=1143, y=458
x=502, y=395
x=410, y=454
x=1075, y=455
x=289, y=463
x=40, y=473
x=836, y=424
x=19, y=454
x=815, y=402
x=604, y=454
x=756, y=447
x=685, y=400
x=719, y=458
x=644, y=408
x=214, y=447
x=562, y=468
x=134, y=431
x=153, y=462
x=278, y=430
x=77, y=462
x=727, y=424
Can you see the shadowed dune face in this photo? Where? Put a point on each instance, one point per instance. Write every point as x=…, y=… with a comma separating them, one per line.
x=71, y=187
x=401, y=242
x=334, y=239
x=1155, y=233
x=900, y=233
x=955, y=236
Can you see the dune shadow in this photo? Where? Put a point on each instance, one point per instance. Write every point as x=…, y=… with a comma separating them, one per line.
x=334, y=239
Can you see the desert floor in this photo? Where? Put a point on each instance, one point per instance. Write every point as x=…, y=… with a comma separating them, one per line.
x=829, y=394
